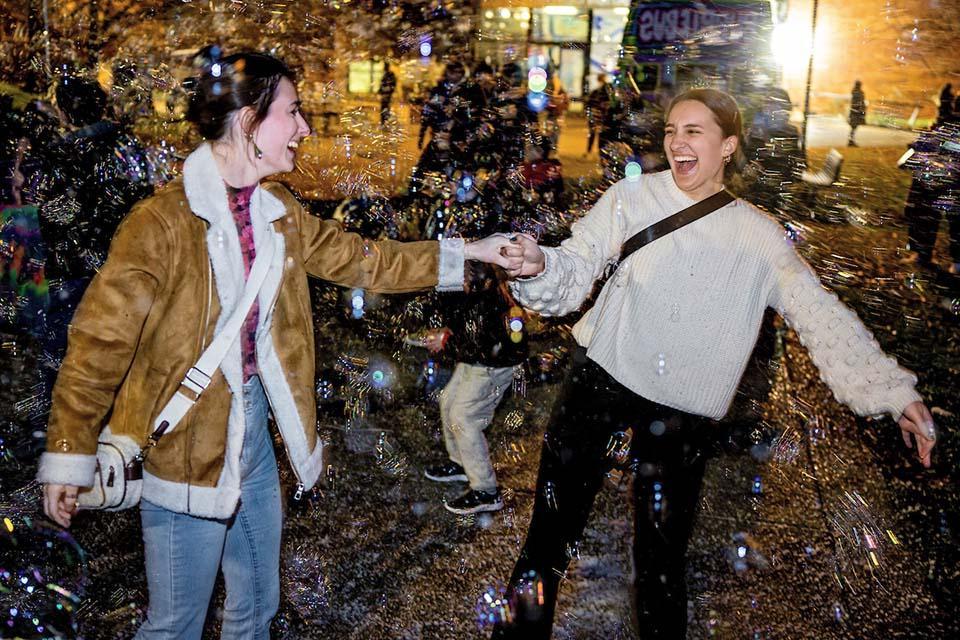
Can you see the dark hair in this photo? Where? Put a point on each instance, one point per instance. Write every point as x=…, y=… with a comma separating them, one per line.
x=455, y=65
x=726, y=113
x=541, y=142
x=228, y=84
x=482, y=67
x=82, y=101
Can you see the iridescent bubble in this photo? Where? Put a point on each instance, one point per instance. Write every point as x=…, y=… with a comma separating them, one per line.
x=537, y=101
x=492, y=608
x=537, y=80
x=618, y=447
x=661, y=364
x=633, y=171
x=550, y=494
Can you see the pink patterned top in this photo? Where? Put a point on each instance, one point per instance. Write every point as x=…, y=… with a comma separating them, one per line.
x=239, y=200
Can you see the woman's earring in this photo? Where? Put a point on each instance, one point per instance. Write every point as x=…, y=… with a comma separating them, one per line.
x=726, y=159
x=257, y=151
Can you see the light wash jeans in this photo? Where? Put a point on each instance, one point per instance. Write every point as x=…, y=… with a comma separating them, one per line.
x=467, y=405
x=184, y=553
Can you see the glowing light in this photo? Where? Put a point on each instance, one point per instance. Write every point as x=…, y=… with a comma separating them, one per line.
x=537, y=79
x=562, y=10
x=426, y=49
x=537, y=101
x=791, y=44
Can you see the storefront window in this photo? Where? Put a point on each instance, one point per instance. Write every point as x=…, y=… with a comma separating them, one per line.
x=560, y=24
x=505, y=25
x=364, y=77
x=605, y=39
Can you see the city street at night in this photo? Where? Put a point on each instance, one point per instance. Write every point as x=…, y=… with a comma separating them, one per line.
x=530, y=123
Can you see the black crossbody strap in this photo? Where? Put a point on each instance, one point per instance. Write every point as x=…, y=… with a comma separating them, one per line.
x=668, y=225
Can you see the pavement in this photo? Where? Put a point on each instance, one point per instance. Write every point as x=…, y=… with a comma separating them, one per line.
x=356, y=155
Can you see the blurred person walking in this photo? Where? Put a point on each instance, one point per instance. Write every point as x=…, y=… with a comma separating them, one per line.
x=945, y=110
x=858, y=111
x=934, y=193
x=597, y=103
x=94, y=174
x=388, y=84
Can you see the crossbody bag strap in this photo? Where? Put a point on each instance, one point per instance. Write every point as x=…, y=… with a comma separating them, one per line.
x=199, y=375
x=680, y=219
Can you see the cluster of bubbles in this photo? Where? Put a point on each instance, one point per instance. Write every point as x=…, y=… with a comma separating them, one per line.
x=861, y=538
x=366, y=155
x=42, y=579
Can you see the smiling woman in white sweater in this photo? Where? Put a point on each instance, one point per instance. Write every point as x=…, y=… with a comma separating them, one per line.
x=662, y=352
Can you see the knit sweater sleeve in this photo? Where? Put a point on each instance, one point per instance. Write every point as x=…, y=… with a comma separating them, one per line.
x=572, y=268
x=848, y=357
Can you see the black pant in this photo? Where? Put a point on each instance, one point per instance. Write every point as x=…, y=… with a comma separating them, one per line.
x=923, y=221
x=592, y=131
x=668, y=471
x=385, y=107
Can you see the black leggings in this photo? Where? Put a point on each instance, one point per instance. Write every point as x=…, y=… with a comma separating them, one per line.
x=668, y=456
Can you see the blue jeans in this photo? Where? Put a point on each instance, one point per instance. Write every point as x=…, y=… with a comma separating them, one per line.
x=184, y=553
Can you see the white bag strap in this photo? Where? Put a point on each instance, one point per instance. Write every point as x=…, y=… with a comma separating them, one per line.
x=199, y=375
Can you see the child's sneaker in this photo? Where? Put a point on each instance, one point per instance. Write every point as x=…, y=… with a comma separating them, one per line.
x=449, y=471
x=474, y=501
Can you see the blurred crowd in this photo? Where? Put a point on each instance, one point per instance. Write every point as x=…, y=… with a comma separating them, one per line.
x=71, y=171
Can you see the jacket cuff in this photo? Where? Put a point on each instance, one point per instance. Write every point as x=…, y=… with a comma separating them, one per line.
x=67, y=468
x=451, y=265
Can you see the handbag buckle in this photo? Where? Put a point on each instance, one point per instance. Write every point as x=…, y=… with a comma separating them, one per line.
x=196, y=380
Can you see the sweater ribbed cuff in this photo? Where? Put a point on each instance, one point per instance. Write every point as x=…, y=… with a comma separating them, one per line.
x=897, y=400
x=528, y=287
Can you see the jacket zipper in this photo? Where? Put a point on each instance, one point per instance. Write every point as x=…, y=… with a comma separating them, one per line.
x=298, y=493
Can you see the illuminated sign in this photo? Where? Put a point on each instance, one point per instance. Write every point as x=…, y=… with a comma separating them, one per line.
x=664, y=23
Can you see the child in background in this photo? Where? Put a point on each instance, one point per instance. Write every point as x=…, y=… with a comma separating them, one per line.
x=489, y=342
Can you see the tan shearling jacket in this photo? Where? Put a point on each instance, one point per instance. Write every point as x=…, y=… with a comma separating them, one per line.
x=173, y=276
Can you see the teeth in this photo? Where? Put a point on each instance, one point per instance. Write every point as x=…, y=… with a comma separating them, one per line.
x=684, y=158
x=293, y=144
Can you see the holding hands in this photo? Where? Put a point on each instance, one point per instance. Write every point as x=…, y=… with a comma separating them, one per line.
x=517, y=254
x=524, y=248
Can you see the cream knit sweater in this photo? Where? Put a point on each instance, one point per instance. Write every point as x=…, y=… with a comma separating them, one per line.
x=677, y=322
